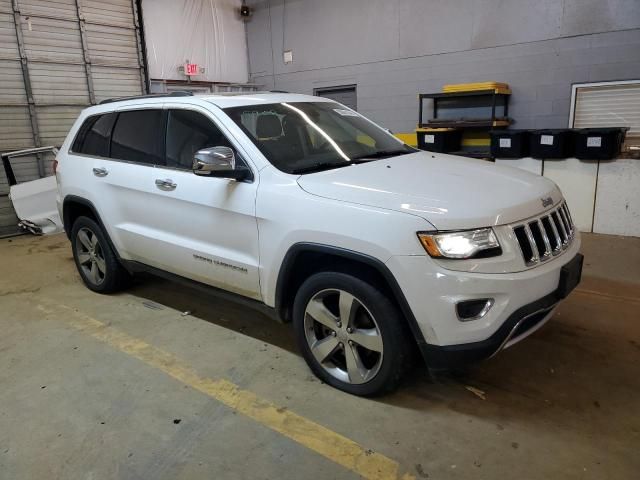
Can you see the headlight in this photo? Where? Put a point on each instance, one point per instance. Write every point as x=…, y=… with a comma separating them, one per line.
x=468, y=244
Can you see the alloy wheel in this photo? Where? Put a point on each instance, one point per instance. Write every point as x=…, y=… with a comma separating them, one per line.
x=90, y=256
x=343, y=336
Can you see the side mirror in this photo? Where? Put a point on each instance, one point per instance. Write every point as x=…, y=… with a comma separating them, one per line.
x=218, y=162
x=213, y=159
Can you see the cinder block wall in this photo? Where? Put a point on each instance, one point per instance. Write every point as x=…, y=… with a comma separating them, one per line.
x=394, y=50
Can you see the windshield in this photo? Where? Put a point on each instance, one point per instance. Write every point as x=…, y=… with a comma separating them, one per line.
x=305, y=137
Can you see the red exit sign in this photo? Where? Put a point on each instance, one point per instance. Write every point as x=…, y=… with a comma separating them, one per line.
x=191, y=69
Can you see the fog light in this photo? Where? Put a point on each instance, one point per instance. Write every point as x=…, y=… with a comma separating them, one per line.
x=473, y=309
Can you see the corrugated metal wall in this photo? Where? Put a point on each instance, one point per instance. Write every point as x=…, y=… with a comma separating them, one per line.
x=57, y=57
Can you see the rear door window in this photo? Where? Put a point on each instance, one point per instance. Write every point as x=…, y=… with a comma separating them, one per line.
x=93, y=137
x=188, y=132
x=138, y=137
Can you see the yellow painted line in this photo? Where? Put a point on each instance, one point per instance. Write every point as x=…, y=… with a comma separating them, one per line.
x=608, y=296
x=331, y=445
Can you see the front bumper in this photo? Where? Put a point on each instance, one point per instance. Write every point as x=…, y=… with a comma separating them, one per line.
x=523, y=302
x=519, y=325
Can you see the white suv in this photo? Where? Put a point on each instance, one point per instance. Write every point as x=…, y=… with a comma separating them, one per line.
x=306, y=209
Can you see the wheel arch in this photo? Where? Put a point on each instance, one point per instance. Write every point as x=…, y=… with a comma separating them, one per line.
x=74, y=207
x=305, y=259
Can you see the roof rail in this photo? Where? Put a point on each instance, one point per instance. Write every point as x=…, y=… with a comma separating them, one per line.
x=177, y=93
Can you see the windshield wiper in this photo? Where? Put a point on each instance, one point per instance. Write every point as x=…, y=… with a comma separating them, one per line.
x=381, y=154
x=318, y=167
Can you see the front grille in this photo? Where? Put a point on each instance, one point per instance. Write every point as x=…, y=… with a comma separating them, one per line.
x=546, y=236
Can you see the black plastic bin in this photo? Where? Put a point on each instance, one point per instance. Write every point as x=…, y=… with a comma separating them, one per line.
x=509, y=143
x=544, y=144
x=599, y=143
x=440, y=140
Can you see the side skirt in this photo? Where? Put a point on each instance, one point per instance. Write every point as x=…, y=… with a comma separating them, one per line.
x=137, y=267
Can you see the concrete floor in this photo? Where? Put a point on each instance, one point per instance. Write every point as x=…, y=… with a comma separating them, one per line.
x=89, y=389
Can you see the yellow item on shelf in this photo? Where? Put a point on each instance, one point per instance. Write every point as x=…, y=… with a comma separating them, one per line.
x=408, y=138
x=472, y=87
x=423, y=129
x=471, y=138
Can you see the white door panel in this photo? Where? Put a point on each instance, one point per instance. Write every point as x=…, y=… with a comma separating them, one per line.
x=126, y=188
x=199, y=227
x=205, y=229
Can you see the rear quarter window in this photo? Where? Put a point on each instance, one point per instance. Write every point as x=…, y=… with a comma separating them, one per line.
x=94, y=135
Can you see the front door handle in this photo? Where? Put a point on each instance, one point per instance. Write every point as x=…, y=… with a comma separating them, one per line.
x=165, y=184
x=100, y=172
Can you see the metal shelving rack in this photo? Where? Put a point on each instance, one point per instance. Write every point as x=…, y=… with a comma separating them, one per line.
x=494, y=100
x=493, y=95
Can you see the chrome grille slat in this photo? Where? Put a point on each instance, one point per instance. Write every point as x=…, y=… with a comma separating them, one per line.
x=538, y=238
x=566, y=209
x=545, y=236
x=568, y=215
x=556, y=235
x=547, y=244
x=563, y=232
x=563, y=218
x=535, y=258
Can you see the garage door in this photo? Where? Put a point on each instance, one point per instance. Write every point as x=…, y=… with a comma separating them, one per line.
x=57, y=57
x=345, y=95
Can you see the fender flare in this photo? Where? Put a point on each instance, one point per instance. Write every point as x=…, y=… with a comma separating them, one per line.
x=88, y=204
x=286, y=270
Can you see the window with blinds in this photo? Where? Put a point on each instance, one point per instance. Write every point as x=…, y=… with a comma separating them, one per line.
x=610, y=104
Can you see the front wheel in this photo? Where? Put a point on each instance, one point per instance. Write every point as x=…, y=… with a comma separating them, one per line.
x=350, y=334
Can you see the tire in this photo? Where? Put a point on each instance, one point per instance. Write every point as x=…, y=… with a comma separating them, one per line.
x=374, y=321
x=96, y=262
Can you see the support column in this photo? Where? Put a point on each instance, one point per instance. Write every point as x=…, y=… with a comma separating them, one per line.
x=144, y=84
x=85, y=52
x=33, y=115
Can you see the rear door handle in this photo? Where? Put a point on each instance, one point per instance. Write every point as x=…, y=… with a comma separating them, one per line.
x=165, y=184
x=100, y=172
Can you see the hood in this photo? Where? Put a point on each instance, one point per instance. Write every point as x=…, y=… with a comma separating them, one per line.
x=449, y=192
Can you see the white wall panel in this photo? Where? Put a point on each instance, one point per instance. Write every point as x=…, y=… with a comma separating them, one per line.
x=617, y=209
x=577, y=180
x=529, y=164
x=207, y=32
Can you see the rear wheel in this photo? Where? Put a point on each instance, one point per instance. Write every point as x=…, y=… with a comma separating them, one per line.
x=95, y=260
x=350, y=334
